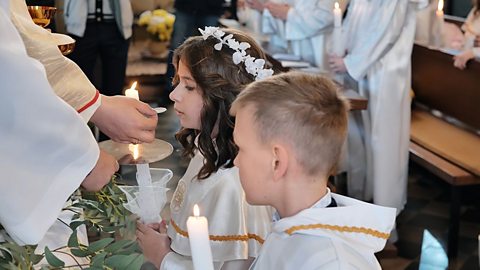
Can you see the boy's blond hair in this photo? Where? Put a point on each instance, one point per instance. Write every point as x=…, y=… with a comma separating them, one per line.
x=306, y=111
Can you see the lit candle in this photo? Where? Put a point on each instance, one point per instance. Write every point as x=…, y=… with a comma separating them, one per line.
x=197, y=227
x=337, y=42
x=439, y=22
x=132, y=92
x=337, y=15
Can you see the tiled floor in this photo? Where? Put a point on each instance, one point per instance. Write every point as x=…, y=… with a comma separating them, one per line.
x=427, y=209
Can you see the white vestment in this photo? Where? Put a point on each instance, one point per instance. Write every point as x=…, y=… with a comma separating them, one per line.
x=342, y=237
x=221, y=200
x=65, y=77
x=46, y=150
x=305, y=30
x=379, y=39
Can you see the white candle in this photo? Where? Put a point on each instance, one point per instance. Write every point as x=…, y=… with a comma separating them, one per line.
x=439, y=22
x=132, y=92
x=337, y=15
x=197, y=227
x=337, y=41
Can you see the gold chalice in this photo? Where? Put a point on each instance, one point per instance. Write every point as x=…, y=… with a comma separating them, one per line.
x=41, y=15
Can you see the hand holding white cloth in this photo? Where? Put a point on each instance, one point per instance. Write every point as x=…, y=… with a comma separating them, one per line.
x=160, y=177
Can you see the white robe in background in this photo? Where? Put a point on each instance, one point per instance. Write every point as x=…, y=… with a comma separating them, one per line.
x=65, y=77
x=221, y=200
x=304, y=32
x=379, y=39
x=343, y=237
x=472, y=29
x=46, y=149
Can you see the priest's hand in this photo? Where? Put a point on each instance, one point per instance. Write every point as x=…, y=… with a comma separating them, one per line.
x=255, y=4
x=477, y=41
x=460, y=60
x=102, y=172
x=279, y=11
x=336, y=63
x=126, y=120
x=154, y=242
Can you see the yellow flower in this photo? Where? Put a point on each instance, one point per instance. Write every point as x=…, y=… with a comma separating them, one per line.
x=159, y=23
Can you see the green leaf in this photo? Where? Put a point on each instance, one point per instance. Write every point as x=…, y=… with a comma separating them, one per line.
x=100, y=244
x=73, y=239
x=122, y=261
x=99, y=260
x=74, y=224
x=137, y=262
x=80, y=252
x=119, y=245
x=36, y=258
x=52, y=259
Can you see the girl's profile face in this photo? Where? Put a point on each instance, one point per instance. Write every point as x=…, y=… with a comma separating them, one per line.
x=188, y=99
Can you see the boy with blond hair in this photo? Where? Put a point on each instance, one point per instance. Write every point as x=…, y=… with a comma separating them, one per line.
x=290, y=130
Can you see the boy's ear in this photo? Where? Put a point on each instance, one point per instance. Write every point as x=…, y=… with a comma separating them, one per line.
x=279, y=162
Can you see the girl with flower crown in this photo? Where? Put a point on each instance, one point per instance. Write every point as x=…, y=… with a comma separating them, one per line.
x=210, y=72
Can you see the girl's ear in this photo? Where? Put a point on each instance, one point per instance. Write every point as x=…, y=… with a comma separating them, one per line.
x=279, y=162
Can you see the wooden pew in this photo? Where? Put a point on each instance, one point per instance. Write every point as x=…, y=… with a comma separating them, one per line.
x=445, y=122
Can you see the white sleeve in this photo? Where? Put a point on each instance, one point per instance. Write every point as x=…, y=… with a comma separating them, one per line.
x=175, y=261
x=66, y=78
x=308, y=18
x=383, y=29
x=46, y=149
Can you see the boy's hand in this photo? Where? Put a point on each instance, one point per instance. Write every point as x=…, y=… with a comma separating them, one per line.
x=460, y=60
x=255, y=4
x=155, y=245
x=337, y=64
x=279, y=11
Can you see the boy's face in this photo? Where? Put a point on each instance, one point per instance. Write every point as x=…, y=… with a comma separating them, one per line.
x=254, y=158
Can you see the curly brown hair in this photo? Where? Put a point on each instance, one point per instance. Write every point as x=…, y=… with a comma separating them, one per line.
x=220, y=81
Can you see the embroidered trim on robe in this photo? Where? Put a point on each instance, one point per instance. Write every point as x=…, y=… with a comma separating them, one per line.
x=221, y=237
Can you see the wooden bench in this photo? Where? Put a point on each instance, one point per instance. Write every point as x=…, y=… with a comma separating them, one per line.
x=445, y=122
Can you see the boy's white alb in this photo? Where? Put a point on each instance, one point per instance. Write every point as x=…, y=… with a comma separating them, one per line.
x=252, y=65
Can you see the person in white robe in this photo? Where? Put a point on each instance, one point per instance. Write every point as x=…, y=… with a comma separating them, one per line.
x=237, y=230
x=122, y=119
x=379, y=40
x=299, y=27
x=342, y=237
x=208, y=80
x=285, y=162
x=41, y=166
x=471, y=27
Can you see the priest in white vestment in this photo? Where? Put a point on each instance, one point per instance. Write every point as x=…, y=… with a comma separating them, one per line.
x=41, y=165
x=122, y=119
x=379, y=40
x=299, y=27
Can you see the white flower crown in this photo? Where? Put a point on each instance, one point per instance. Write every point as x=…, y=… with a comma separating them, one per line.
x=252, y=65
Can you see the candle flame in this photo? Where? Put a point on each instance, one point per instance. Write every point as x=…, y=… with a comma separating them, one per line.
x=134, y=149
x=337, y=6
x=196, y=211
x=440, y=5
x=134, y=84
